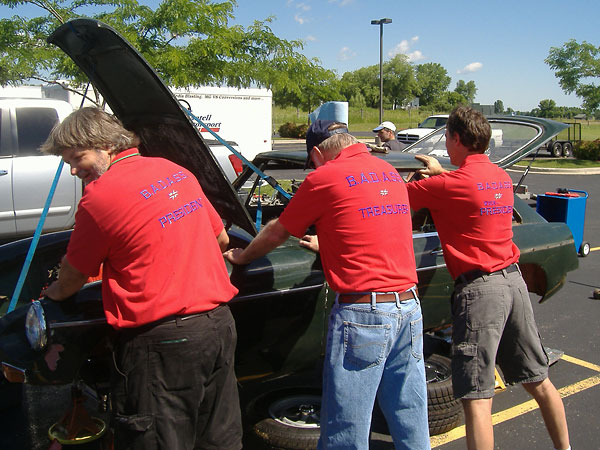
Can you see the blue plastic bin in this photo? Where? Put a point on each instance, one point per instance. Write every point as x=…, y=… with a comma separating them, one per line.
x=568, y=207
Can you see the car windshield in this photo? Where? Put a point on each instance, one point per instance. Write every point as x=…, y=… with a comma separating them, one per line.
x=507, y=138
x=433, y=122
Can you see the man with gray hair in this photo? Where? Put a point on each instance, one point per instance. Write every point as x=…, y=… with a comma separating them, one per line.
x=147, y=226
x=375, y=337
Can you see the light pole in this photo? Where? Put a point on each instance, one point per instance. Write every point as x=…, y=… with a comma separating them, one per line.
x=381, y=22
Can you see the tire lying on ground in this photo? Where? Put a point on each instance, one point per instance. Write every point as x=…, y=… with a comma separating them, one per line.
x=445, y=412
x=289, y=418
x=286, y=419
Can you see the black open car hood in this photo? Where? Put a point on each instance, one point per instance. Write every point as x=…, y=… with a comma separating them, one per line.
x=145, y=105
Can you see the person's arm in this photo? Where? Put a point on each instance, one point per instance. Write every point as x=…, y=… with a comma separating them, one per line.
x=311, y=242
x=270, y=237
x=223, y=240
x=70, y=280
x=377, y=149
x=433, y=166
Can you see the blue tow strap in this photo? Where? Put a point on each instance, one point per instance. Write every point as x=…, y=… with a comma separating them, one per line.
x=272, y=181
x=258, y=211
x=35, y=240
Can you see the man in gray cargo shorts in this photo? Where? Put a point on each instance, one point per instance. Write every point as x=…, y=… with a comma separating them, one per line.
x=472, y=208
x=494, y=312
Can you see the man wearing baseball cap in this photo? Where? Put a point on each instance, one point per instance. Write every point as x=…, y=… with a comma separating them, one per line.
x=386, y=132
x=375, y=337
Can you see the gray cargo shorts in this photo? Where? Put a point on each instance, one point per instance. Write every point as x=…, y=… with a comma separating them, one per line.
x=493, y=323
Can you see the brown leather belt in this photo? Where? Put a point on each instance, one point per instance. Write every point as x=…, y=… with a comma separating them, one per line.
x=379, y=298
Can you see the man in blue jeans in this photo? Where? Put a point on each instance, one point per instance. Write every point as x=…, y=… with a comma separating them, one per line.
x=375, y=339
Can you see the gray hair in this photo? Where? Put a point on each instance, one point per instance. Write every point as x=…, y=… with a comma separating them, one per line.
x=337, y=142
x=89, y=128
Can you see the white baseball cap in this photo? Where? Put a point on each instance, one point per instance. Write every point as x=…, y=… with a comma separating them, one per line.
x=386, y=124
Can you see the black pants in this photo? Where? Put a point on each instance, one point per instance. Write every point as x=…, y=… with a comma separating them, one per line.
x=174, y=387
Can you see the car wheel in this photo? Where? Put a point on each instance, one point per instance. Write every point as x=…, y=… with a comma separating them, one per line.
x=445, y=412
x=567, y=149
x=287, y=418
x=584, y=250
x=556, y=149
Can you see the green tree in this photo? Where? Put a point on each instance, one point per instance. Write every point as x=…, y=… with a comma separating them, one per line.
x=357, y=101
x=431, y=80
x=311, y=88
x=467, y=90
x=398, y=81
x=364, y=81
x=498, y=107
x=576, y=66
x=447, y=101
x=188, y=42
x=547, y=108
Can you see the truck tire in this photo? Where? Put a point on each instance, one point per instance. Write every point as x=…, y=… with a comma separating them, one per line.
x=567, y=149
x=445, y=412
x=556, y=149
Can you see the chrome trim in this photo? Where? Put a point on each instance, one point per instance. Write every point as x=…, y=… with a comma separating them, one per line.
x=425, y=235
x=102, y=321
x=276, y=293
x=438, y=266
x=77, y=323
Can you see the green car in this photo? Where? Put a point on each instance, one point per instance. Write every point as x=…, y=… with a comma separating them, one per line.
x=283, y=302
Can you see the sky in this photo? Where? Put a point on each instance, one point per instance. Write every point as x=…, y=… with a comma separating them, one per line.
x=499, y=44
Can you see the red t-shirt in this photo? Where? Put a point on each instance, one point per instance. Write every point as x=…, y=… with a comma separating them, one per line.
x=149, y=223
x=359, y=205
x=472, y=208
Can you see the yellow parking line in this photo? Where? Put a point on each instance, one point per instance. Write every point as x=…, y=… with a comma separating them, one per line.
x=594, y=249
x=528, y=406
x=581, y=362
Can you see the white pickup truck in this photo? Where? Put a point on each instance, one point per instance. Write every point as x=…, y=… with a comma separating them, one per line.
x=26, y=175
x=412, y=135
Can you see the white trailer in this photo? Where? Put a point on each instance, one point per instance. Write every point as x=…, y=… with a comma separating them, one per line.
x=243, y=116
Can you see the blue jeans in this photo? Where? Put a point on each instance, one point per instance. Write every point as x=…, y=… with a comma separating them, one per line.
x=374, y=352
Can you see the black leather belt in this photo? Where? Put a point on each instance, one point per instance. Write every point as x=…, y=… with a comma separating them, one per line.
x=134, y=331
x=379, y=297
x=471, y=275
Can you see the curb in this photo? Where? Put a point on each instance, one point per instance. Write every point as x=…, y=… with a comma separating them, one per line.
x=553, y=171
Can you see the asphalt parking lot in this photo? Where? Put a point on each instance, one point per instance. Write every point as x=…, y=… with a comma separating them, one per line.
x=567, y=322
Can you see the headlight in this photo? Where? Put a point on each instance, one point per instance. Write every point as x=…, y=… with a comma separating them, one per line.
x=35, y=326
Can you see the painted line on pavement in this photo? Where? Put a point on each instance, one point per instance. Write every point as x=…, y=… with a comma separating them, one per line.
x=594, y=249
x=528, y=406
